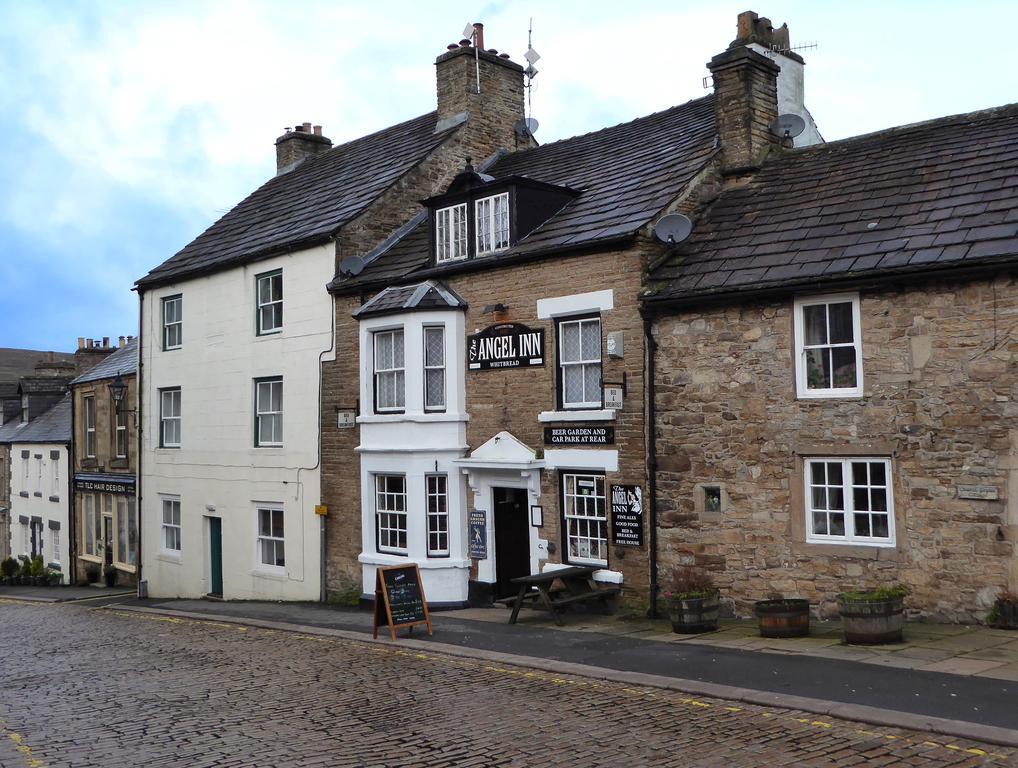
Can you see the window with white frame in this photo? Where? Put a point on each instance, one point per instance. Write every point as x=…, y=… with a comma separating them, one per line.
x=849, y=501
x=38, y=476
x=271, y=545
x=120, y=439
x=54, y=540
x=24, y=471
x=586, y=518
x=438, y=516
x=27, y=538
x=88, y=524
x=434, y=368
x=269, y=289
x=390, y=371
x=89, y=427
x=390, y=513
x=828, y=346
x=269, y=412
x=173, y=322
x=54, y=463
x=451, y=233
x=171, y=525
x=24, y=409
x=492, y=223
x=579, y=361
x=169, y=418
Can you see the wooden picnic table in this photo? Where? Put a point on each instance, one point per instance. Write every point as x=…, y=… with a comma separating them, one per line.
x=577, y=586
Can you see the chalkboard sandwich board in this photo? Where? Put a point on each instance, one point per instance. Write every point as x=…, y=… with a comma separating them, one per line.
x=399, y=599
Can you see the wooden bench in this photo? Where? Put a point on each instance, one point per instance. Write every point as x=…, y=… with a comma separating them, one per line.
x=559, y=588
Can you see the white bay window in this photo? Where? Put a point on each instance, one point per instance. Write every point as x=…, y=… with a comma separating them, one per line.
x=390, y=371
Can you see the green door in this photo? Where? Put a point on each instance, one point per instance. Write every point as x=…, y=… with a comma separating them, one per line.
x=216, y=556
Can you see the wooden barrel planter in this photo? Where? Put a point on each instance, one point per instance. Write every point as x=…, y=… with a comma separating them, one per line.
x=694, y=615
x=1006, y=614
x=871, y=622
x=783, y=618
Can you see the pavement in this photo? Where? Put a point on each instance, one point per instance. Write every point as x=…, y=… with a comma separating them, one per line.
x=140, y=684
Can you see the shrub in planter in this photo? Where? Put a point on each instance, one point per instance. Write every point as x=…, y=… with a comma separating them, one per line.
x=693, y=601
x=1004, y=614
x=782, y=617
x=110, y=574
x=37, y=571
x=54, y=578
x=873, y=617
x=92, y=573
x=9, y=568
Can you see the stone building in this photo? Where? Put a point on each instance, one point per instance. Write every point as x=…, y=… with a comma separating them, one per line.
x=499, y=390
x=837, y=366
x=104, y=516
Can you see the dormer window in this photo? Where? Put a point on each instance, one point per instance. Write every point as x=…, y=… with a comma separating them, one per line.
x=492, y=223
x=451, y=233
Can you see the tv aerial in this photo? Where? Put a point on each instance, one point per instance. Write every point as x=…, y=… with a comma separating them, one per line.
x=788, y=126
x=673, y=228
x=351, y=266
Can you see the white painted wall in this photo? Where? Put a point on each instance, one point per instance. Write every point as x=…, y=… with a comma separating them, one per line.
x=791, y=94
x=39, y=501
x=217, y=471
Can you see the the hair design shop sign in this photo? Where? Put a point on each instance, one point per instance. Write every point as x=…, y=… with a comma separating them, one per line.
x=627, y=515
x=104, y=485
x=508, y=345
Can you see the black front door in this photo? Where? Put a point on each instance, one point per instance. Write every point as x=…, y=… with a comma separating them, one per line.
x=512, y=538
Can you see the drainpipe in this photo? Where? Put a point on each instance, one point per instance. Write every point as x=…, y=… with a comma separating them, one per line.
x=72, y=505
x=138, y=422
x=651, y=410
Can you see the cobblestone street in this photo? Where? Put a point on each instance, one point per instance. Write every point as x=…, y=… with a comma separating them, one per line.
x=105, y=687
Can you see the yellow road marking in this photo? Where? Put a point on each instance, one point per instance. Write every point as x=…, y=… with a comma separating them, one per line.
x=21, y=746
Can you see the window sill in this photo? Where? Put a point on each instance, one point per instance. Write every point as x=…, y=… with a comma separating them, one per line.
x=166, y=557
x=602, y=414
x=385, y=558
x=37, y=494
x=23, y=494
x=274, y=574
x=55, y=498
x=389, y=418
x=125, y=567
x=830, y=394
x=91, y=559
x=851, y=543
x=268, y=334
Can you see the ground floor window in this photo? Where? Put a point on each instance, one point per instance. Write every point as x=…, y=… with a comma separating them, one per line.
x=54, y=537
x=171, y=525
x=390, y=513
x=88, y=524
x=586, y=519
x=848, y=501
x=438, y=516
x=271, y=550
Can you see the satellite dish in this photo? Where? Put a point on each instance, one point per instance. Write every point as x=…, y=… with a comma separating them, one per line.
x=788, y=126
x=526, y=125
x=351, y=266
x=673, y=228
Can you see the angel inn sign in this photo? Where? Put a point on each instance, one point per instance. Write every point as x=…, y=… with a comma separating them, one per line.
x=508, y=345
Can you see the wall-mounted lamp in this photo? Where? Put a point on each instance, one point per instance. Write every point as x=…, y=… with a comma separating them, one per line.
x=499, y=308
x=118, y=390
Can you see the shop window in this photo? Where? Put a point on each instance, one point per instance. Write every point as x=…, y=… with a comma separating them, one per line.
x=89, y=524
x=269, y=290
x=586, y=519
x=828, y=347
x=390, y=513
x=849, y=501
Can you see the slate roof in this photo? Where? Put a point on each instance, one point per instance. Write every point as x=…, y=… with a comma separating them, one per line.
x=124, y=361
x=307, y=205
x=626, y=175
x=429, y=295
x=54, y=426
x=933, y=195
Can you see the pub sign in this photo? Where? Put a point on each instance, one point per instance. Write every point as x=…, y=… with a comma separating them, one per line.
x=627, y=515
x=507, y=345
x=478, y=522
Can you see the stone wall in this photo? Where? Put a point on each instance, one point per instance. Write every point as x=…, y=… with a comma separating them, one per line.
x=940, y=385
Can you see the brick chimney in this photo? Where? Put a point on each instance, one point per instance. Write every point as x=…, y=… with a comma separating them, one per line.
x=745, y=103
x=296, y=145
x=485, y=89
x=90, y=352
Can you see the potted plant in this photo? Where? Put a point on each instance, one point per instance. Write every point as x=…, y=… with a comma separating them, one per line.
x=1004, y=614
x=783, y=617
x=37, y=571
x=54, y=577
x=693, y=601
x=110, y=573
x=9, y=568
x=92, y=573
x=24, y=575
x=874, y=616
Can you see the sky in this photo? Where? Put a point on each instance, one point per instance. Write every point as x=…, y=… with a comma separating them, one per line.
x=129, y=127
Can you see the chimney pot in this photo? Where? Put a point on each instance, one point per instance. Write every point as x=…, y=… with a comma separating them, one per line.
x=307, y=127
x=451, y=47
x=464, y=43
x=81, y=342
x=503, y=55
x=120, y=342
x=106, y=342
x=479, y=35
x=318, y=130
